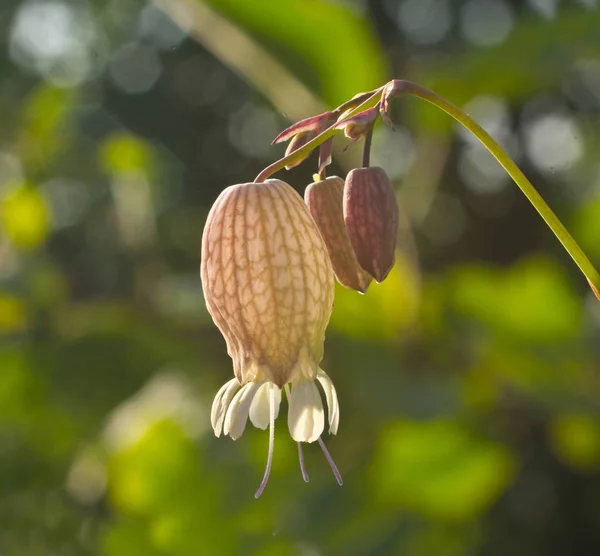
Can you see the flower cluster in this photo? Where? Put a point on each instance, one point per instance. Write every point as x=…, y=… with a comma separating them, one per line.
x=268, y=264
x=269, y=259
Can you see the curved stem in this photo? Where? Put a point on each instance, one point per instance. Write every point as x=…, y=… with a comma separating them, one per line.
x=336, y=473
x=302, y=465
x=515, y=173
x=303, y=151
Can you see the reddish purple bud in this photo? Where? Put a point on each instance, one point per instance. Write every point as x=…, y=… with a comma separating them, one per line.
x=371, y=217
x=325, y=203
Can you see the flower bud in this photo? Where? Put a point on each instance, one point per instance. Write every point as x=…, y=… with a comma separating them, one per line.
x=297, y=142
x=371, y=217
x=267, y=280
x=357, y=126
x=325, y=202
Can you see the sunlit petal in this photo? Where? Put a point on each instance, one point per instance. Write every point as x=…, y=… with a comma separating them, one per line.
x=221, y=403
x=237, y=413
x=306, y=418
x=260, y=407
x=332, y=401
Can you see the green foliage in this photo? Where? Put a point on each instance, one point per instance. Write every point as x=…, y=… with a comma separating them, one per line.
x=532, y=301
x=341, y=50
x=468, y=385
x=375, y=315
x=576, y=439
x=24, y=216
x=439, y=470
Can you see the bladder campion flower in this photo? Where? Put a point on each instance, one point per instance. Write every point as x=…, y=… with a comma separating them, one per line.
x=268, y=284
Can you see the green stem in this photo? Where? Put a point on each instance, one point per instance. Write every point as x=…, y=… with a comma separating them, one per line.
x=515, y=173
x=303, y=151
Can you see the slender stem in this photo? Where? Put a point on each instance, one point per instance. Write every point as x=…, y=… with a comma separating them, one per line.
x=323, y=136
x=336, y=473
x=366, y=161
x=516, y=174
x=354, y=101
x=302, y=465
x=595, y=290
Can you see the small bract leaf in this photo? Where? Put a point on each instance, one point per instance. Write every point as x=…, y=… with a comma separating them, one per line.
x=308, y=124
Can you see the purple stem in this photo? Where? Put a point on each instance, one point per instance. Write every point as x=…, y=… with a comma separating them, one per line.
x=332, y=464
x=302, y=466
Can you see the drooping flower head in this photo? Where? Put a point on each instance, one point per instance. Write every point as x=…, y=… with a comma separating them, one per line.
x=268, y=284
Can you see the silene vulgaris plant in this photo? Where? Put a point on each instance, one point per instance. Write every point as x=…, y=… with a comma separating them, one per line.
x=269, y=259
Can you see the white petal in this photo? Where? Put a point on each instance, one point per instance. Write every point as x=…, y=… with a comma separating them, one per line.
x=306, y=418
x=237, y=413
x=332, y=400
x=220, y=404
x=260, y=407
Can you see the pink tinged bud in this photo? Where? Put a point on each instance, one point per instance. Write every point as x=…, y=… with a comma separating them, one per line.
x=371, y=217
x=267, y=280
x=325, y=203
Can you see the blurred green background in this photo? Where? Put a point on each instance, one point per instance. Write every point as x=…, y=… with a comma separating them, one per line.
x=469, y=382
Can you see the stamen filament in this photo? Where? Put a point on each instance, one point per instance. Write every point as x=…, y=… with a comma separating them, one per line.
x=332, y=464
x=263, y=484
x=302, y=466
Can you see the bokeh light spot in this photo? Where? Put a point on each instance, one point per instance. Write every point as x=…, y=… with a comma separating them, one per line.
x=135, y=68
x=553, y=142
x=486, y=22
x=424, y=21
